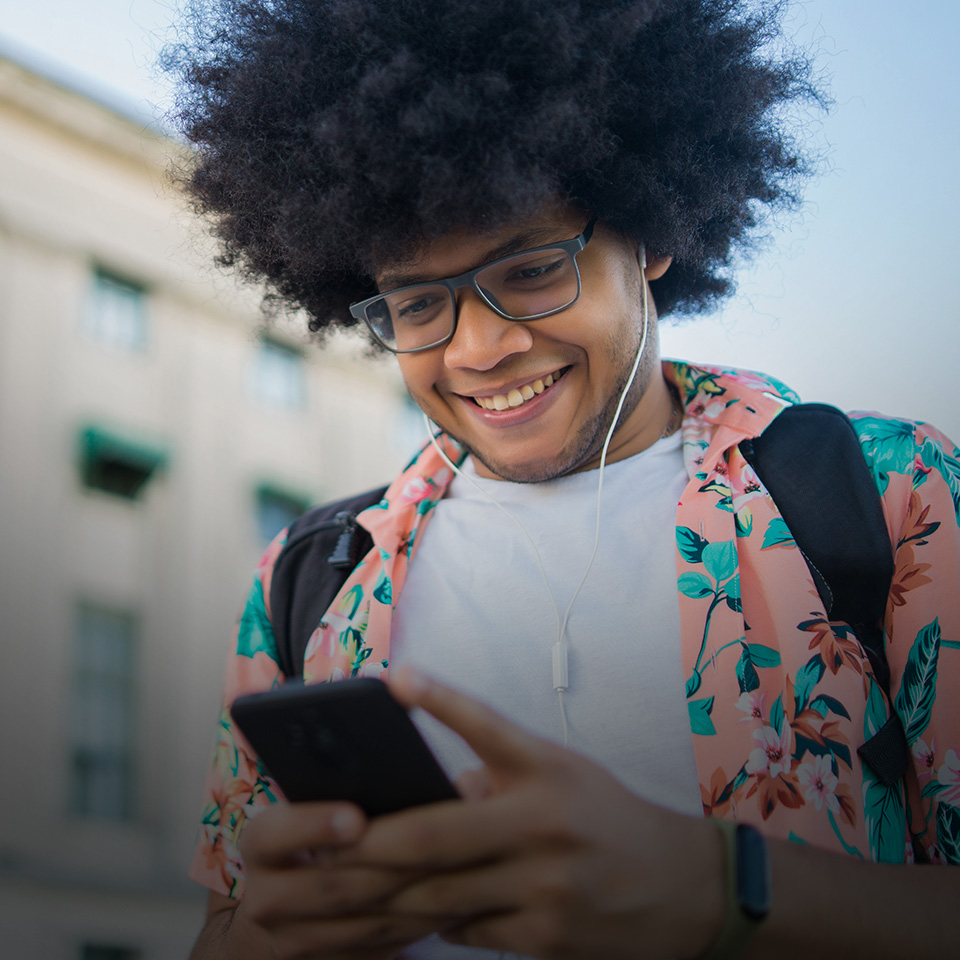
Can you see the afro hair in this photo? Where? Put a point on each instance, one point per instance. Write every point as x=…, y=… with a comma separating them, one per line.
x=334, y=135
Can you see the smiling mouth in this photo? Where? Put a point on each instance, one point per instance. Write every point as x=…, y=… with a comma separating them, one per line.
x=520, y=395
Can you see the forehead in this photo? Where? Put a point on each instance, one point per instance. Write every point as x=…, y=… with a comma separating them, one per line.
x=462, y=250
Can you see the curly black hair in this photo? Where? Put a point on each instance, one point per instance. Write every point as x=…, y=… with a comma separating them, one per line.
x=333, y=135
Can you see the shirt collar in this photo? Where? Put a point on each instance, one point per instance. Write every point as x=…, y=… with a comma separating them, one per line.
x=721, y=407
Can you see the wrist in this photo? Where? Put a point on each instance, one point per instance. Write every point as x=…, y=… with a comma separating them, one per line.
x=745, y=888
x=239, y=936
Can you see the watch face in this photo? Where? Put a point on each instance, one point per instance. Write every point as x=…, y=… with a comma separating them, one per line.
x=753, y=872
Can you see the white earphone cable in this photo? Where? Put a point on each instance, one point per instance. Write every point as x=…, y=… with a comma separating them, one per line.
x=560, y=647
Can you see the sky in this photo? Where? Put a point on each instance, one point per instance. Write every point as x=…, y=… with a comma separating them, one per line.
x=852, y=303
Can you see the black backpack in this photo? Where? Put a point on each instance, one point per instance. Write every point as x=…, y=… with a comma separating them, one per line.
x=810, y=461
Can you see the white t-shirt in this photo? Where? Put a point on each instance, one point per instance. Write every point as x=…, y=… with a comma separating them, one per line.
x=475, y=613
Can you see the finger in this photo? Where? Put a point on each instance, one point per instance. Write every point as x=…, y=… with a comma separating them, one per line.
x=277, y=836
x=312, y=892
x=475, y=784
x=443, y=836
x=497, y=741
x=501, y=887
x=353, y=937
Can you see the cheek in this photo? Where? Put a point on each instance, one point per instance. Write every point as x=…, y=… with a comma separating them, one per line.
x=414, y=372
x=420, y=375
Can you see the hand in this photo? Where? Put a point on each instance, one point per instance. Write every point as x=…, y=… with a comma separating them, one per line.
x=549, y=855
x=310, y=904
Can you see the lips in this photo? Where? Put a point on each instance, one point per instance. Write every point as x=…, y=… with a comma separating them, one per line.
x=518, y=396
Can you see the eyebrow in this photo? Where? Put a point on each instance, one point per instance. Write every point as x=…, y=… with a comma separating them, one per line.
x=516, y=244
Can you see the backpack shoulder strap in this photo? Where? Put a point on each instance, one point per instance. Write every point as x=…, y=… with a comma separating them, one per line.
x=323, y=546
x=810, y=461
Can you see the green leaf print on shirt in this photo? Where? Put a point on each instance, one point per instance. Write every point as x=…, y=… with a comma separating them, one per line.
x=885, y=819
x=890, y=446
x=933, y=456
x=776, y=715
x=720, y=487
x=777, y=534
x=747, y=675
x=347, y=607
x=948, y=832
x=690, y=545
x=876, y=712
x=808, y=676
x=753, y=656
x=700, y=722
x=764, y=656
x=383, y=591
x=883, y=809
x=694, y=585
x=720, y=561
x=363, y=654
x=824, y=704
x=256, y=633
x=918, y=689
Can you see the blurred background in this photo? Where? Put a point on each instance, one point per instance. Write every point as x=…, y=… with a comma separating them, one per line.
x=155, y=433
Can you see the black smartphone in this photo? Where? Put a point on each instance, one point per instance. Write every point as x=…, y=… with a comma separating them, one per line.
x=349, y=740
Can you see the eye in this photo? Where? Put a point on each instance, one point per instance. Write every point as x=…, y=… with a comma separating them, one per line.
x=535, y=272
x=421, y=310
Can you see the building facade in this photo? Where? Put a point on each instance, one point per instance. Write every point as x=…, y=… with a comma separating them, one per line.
x=155, y=433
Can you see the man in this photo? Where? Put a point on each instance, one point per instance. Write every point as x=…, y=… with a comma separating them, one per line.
x=506, y=195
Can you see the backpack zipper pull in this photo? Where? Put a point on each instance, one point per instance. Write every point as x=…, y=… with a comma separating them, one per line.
x=343, y=557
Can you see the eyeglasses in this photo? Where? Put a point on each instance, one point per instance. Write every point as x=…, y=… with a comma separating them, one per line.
x=523, y=286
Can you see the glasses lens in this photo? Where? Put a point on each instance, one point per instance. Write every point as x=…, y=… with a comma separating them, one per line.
x=531, y=284
x=412, y=317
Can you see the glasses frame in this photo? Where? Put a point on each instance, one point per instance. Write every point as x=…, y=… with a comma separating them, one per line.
x=469, y=279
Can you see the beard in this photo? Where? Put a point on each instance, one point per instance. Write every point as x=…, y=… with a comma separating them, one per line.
x=587, y=444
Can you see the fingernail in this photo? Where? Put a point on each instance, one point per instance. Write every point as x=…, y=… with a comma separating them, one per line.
x=345, y=823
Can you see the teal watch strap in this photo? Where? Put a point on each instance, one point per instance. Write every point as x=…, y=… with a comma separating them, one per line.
x=746, y=888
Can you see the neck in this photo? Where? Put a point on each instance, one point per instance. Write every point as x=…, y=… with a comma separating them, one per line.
x=652, y=418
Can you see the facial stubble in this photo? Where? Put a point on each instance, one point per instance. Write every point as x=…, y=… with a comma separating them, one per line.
x=588, y=442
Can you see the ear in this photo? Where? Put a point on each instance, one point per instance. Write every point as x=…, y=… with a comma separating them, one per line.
x=656, y=267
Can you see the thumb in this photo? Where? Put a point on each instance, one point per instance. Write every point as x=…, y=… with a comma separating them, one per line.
x=499, y=743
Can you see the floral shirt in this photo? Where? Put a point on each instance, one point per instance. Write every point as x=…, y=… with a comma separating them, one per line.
x=779, y=698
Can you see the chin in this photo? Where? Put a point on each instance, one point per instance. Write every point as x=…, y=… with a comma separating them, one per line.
x=532, y=471
x=525, y=473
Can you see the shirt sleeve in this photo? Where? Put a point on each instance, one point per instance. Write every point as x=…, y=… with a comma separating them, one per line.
x=917, y=469
x=236, y=784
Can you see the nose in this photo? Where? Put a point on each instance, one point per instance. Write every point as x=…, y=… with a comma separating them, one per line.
x=483, y=338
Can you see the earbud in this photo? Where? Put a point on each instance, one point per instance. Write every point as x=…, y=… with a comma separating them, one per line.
x=642, y=257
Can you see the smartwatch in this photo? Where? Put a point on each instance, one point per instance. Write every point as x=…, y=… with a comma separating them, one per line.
x=746, y=887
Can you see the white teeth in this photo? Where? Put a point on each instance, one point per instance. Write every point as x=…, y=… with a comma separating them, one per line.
x=519, y=395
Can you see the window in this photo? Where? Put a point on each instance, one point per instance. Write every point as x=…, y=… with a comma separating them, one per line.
x=117, y=464
x=102, y=717
x=279, y=376
x=116, y=311
x=92, y=951
x=277, y=509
